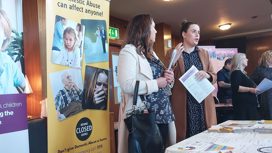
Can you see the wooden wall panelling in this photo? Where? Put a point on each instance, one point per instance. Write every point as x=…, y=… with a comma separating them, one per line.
x=122, y=26
x=115, y=47
x=42, y=38
x=162, y=36
x=32, y=55
x=254, y=48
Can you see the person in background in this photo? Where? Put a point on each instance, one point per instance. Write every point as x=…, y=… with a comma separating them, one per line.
x=223, y=82
x=79, y=34
x=99, y=46
x=70, y=55
x=244, y=99
x=103, y=35
x=192, y=117
x=138, y=61
x=96, y=95
x=264, y=70
x=68, y=100
x=58, y=34
x=12, y=79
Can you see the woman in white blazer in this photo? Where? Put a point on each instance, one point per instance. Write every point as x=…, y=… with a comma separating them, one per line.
x=133, y=65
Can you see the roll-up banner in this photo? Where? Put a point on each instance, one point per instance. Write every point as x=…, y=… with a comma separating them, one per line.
x=13, y=116
x=77, y=80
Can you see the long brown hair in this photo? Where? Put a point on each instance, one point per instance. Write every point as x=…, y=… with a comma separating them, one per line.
x=266, y=58
x=92, y=80
x=138, y=34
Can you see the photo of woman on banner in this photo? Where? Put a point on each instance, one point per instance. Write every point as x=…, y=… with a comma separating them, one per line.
x=96, y=88
x=95, y=43
x=12, y=79
x=69, y=54
x=68, y=93
x=79, y=34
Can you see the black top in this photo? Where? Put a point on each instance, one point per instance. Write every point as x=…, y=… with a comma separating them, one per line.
x=244, y=103
x=223, y=93
x=260, y=73
x=238, y=78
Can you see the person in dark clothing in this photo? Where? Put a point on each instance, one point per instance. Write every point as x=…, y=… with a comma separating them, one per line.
x=103, y=35
x=264, y=70
x=223, y=82
x=244, y=90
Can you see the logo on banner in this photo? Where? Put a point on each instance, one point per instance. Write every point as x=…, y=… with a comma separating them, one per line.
x=84, y=129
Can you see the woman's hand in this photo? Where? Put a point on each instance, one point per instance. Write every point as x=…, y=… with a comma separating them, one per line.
x=162, y=82
x=99, y=95
x=253, y=90
x=179, y=49
x=201, y=75
x=169, y=75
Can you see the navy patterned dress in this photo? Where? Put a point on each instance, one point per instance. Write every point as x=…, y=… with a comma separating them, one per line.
x=195, y=111
x=159, y=102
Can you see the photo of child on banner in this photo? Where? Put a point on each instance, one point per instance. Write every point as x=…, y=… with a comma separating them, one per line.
x=67, y=90
x=95, y=45
x=95, y=88
x=67, y=43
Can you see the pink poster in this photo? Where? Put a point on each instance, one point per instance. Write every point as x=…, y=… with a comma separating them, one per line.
x=218, y=57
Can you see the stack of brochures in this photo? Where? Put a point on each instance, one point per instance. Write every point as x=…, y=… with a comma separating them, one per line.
x=245, y=126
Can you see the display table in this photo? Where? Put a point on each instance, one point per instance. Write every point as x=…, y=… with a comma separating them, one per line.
x=244, y=141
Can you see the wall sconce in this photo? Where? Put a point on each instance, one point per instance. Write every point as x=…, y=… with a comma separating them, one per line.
x=225, y=26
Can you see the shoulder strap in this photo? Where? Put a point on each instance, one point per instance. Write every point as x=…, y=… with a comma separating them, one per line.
x=135, y=96
x=136, y=92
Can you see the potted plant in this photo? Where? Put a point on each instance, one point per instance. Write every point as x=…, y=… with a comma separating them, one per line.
x=16, y=49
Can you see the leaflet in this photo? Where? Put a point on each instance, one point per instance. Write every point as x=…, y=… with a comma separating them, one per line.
x=199, y=89
x=265, y=85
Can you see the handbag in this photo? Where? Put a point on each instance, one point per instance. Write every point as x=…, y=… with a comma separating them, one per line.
x=144, y=135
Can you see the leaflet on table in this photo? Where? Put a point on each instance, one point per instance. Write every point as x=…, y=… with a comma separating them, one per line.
x=199, y=146
x=199, y=89
x=265, y=85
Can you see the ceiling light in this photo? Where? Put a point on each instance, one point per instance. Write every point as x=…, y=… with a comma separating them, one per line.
x=167, y=0
x=225, y=26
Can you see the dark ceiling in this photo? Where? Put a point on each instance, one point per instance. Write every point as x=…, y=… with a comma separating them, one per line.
x=248, y=17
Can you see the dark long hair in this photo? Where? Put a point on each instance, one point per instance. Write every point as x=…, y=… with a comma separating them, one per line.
x=185, y=25
x=138, y=34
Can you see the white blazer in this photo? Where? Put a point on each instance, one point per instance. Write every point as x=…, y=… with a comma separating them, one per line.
x=132, y=67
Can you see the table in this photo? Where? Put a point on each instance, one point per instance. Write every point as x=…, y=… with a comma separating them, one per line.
x=215, y=142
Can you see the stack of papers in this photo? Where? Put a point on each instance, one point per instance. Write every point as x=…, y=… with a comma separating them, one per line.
x=250, y=126
x=265, y=85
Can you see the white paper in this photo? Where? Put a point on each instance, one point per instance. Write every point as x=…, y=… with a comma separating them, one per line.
x=265, y=85
x=199, y=89
x=245, y=142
